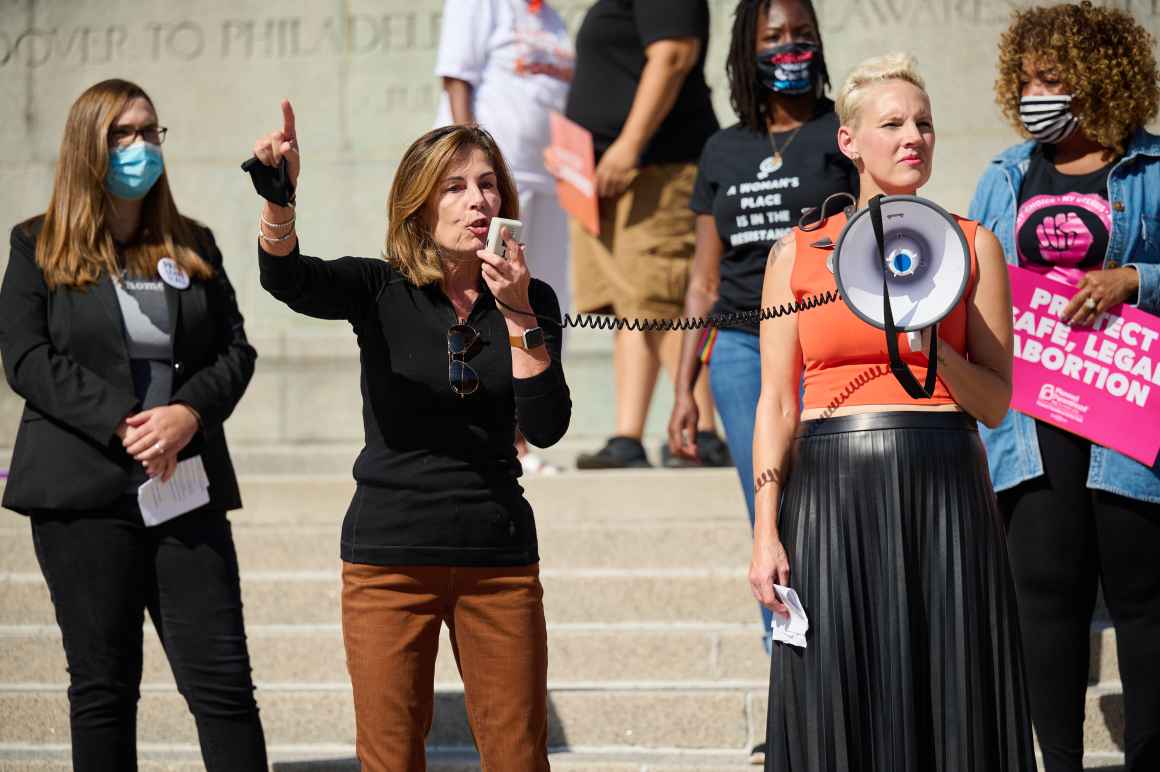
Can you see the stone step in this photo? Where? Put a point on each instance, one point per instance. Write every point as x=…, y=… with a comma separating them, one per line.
x=677, y=716
x=615, y=496
x=624, y=653
x=337, y=458
x=341, y=759
x=597, y=595
x=629, y=653
x=680, y=716
x=654, y=495
x=271, y=547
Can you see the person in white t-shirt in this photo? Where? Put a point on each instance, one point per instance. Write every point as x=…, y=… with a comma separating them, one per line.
x=505, y=65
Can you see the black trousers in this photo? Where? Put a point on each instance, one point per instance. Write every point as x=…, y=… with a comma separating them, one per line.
x=104, y=569
x=1065, y=539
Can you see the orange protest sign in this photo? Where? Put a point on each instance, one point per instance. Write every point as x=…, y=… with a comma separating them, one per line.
x=574, y=162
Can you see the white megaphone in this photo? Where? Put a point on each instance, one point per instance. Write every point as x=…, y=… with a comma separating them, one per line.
x=903, y=268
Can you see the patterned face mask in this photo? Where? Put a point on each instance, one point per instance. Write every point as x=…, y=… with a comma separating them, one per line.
x=1048, y=118
x=791, y=68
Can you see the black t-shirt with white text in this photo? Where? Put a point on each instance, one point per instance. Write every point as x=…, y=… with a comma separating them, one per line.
x=610, y=59
x=755, y=204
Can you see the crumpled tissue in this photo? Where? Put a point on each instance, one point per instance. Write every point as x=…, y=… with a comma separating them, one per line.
x=792, y=630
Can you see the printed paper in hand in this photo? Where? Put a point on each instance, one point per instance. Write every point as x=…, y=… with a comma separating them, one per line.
x=792, y=630
x=576, y=171
x=186, y=490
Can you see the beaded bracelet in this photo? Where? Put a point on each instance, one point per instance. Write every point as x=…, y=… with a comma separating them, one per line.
x=275, y=239
x=269, y=224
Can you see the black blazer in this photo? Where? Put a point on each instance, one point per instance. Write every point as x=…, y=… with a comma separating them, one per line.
x=64, y=351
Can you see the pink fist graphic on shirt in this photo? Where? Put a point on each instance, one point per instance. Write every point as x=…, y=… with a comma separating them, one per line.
x=1063, y=238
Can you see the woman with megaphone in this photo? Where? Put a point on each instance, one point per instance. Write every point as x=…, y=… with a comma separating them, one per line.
x=876, y=523
x=439, y=531
x=1080, y=200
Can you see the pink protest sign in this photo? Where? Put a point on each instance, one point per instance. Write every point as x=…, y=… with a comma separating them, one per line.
x=1101, y=382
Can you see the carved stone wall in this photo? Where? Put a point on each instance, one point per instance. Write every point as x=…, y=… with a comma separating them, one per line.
x=360, y=75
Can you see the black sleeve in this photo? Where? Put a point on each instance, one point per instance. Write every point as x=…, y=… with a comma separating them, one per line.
x=325, y=289
x=543, y=402
x=51, y=381
x=664, y=19
x=705, y=188
x=214, y=391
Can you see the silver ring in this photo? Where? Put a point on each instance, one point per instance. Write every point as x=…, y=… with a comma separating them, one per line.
x=159, y=447
x=1090, y=304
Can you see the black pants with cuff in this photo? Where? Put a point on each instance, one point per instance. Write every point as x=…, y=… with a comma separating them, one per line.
x=104, y=569
x=1064, y=540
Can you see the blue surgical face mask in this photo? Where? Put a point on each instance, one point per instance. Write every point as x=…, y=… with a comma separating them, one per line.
x=134, y=170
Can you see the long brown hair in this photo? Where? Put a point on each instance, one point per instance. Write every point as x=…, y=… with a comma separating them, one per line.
x=75, y=246
x=410, y=244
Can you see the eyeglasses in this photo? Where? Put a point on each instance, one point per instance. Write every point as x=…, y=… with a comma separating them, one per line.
x=460, y=340
x=123, y=136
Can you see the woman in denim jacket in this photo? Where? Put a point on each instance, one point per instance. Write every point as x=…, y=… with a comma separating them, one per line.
x=1082, y=198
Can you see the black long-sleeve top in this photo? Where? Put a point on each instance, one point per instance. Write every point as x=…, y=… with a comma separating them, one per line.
x=437, y=477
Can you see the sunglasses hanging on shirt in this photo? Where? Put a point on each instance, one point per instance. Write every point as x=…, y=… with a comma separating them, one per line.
x=461, y=339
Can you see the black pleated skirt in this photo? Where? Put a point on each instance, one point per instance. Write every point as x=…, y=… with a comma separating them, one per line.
x=897, y=551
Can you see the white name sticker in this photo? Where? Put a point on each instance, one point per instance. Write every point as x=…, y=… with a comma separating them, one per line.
x=172, y=274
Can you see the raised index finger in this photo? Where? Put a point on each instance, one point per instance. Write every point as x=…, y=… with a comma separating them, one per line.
x=288, y=122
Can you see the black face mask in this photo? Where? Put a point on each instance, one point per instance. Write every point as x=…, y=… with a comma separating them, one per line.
x=271, y=182
x=790, y=68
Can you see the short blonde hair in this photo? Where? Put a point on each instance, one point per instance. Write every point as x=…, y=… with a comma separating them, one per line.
x=871, y=72
x=410, y=244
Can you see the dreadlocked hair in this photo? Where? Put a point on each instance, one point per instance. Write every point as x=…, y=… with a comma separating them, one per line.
x=747, y=96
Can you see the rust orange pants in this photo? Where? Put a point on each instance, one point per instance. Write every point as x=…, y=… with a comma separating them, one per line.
x=391, y=618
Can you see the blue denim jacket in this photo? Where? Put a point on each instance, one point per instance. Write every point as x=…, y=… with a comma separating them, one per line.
x=1134, y=192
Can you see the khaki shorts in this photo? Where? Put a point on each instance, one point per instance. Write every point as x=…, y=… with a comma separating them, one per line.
x=638, y=267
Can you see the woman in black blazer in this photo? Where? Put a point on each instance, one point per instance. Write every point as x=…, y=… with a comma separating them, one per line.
x=119, y=328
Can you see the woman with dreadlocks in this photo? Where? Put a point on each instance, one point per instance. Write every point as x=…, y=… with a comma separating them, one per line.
x=754, y=179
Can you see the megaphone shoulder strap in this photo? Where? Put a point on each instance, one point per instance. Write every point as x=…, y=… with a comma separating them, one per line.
x=899, y=368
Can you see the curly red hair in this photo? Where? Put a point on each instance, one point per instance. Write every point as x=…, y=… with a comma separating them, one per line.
x=1104, y=58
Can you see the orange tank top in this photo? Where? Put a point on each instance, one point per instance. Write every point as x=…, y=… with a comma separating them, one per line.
x=845, y=359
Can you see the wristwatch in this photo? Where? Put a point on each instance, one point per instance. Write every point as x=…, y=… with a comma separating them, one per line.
x=533, y=338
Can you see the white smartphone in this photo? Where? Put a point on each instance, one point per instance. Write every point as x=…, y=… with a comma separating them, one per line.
x=494, y=242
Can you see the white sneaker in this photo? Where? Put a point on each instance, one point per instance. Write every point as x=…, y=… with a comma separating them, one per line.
x=534, y=465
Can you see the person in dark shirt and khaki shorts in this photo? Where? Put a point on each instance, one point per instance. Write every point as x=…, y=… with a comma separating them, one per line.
x=638, y=266
x=640, y=89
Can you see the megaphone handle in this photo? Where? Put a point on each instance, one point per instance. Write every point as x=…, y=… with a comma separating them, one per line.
x=900, y=369
x=914, y=339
